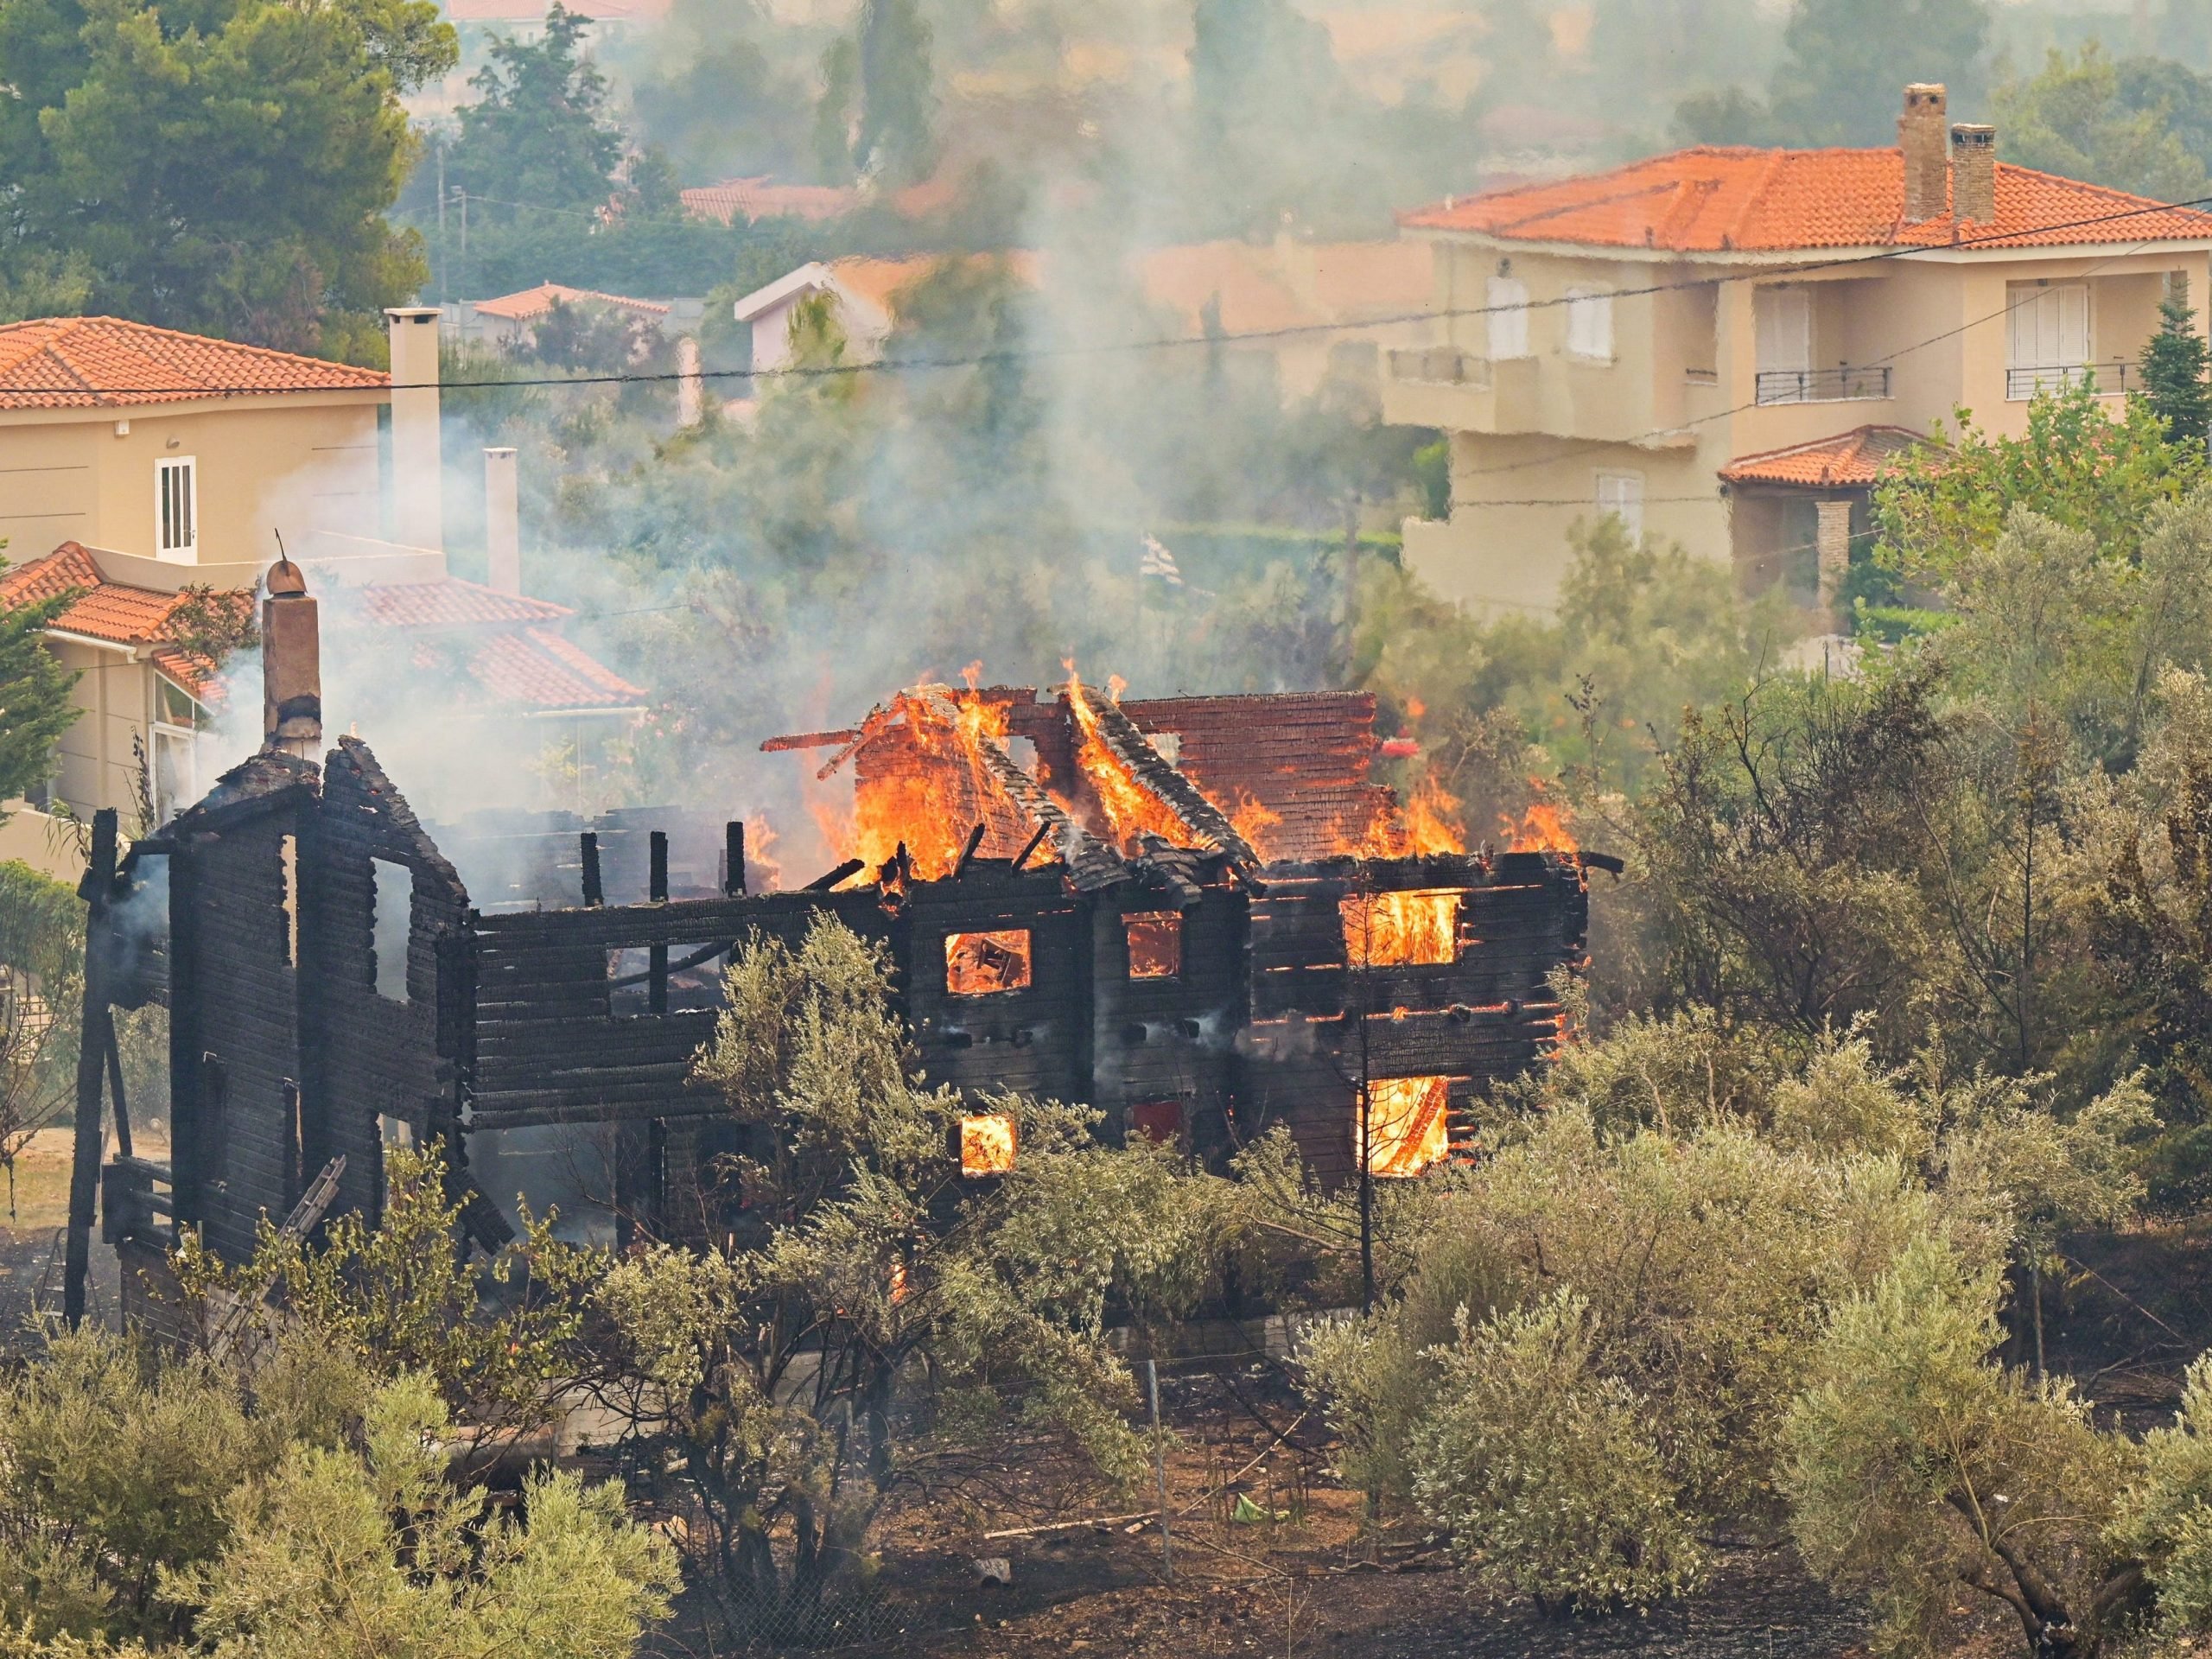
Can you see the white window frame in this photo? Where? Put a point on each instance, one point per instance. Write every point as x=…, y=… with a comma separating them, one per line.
x=1590, y=325
x=184, y=739
x=1507, y=298
x=2037, y=327
x=1620, y=495
x=166, y=469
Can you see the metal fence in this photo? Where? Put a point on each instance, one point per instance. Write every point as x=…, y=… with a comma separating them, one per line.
x=2104, y=378
x=1838, y=385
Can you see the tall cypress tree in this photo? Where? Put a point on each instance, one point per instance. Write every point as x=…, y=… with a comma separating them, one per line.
x=2175, y=364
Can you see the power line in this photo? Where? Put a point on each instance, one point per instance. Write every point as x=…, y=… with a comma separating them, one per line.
x=1015, y=355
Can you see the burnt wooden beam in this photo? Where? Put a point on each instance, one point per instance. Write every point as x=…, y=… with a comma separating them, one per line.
x=733, y=859
x=594, y=891
x=1028, y=847
x=968, y=852
x=94, y=1035
x=115, y=1088
x=822, y=883
x=657, y=955
x=807, y=740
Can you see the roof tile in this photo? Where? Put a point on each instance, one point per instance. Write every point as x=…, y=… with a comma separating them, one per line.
x=1714, y=198
x=1851, y=460
x=107, y=363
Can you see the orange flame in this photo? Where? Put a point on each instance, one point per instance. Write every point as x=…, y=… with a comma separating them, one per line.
x=1408, y=1124
x=1544, y=828
x=1131, y=810
x=929, y=797
x=1418, y=926
x=1252, y=819
x=986, y=1144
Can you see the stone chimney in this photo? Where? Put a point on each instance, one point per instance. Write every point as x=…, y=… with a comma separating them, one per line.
x=503, y=521
x=1974, y=171
x=292, y=665
x=417, y=464
x=1920, y=136
x=690, y=399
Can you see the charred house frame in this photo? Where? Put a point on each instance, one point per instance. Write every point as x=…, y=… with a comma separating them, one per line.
x=333, y=987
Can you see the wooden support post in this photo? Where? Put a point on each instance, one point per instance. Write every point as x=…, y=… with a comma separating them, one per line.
x=1028, y=847
x=97, y=889
x=968, y=852
x=595, y=892
x=657, y=955
x=733, y=859
x=1160, y=1470
x=122, y=1148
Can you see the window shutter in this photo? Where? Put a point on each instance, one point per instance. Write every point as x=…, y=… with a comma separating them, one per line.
x=1508, y=298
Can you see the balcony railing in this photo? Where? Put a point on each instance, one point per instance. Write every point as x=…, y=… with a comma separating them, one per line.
x=1838, y=385
x=1443, y=365
x=2106, y=379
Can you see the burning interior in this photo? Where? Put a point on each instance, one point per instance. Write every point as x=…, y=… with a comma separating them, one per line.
x=1199, y=915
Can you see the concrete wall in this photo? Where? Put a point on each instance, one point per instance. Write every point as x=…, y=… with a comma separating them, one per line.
x=298, y=464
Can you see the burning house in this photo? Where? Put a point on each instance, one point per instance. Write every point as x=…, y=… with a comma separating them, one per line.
x=1199, y=915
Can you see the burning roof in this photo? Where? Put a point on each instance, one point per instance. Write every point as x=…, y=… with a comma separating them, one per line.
x=943, y=774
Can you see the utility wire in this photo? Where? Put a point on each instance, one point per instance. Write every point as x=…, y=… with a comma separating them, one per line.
x=1015, y=355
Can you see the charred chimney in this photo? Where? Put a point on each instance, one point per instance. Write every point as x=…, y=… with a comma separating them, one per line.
x=292, y=665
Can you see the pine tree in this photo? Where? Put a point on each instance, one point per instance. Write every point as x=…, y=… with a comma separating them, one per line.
x=898, y=105
x=2175, y=363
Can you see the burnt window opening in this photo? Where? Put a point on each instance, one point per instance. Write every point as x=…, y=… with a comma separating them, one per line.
x=394, y=1131
x=1155, y=943
x=288, y=855
x=1420, y=925
x=692, y=974
x=986, y=1142
x=1406, y=1125
x=1159, y=1121
x=295, y=1130
x=395, y=918
x=984, y=964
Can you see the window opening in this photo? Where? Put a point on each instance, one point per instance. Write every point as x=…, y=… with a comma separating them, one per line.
x=288, y=855
x=986, y=1144
x=1419, y=925
x=694, y=976
x=1590, y=324
x=1159, y=1121
x=1621, y=494
x=177, y=533
x=1781, y=321
x=1155, y=943
x=2046, y=337
x=395, y=917
x=1407, y=1121
x=1508, y=299
x=982, y=964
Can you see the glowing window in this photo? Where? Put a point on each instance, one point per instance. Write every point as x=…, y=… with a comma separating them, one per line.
x=986, y=1144
x=984, y=965
x=1420, y=925
x=1407, y=1124
x=1159, y=1120
x=1155, y=943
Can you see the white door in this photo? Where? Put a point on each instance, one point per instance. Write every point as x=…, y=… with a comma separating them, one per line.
x=2046, y=337
x=1508, y=299
x=1783, y=319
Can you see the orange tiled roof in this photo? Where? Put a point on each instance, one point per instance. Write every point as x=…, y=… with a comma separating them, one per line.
x=536, y=669
x=1714, y=198
x=106, y=363
x=105, y=610
x=450, y=603
x=536, y=302
x=762, y=198
x=1850, y=460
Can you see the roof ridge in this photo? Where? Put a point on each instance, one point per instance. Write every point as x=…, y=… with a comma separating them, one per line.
x=67, y=326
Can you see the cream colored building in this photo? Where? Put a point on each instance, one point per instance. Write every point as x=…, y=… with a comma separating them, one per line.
x=1721, y=345
x=136, y=463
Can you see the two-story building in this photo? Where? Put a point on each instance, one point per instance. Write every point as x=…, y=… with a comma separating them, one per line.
x=1724, y=345
x=138, y=464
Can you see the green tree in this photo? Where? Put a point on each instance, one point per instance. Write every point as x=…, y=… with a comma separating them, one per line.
x=896, y=138
x=2175, y=362
x=1916, y=1468
x=41, y=979
x=1846, y=63
x=773, y=1363
x=2075, y=119
x=36, y=700
x=224, y=168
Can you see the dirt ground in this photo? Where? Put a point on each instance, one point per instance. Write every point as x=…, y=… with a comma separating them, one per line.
x=31, y=1239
